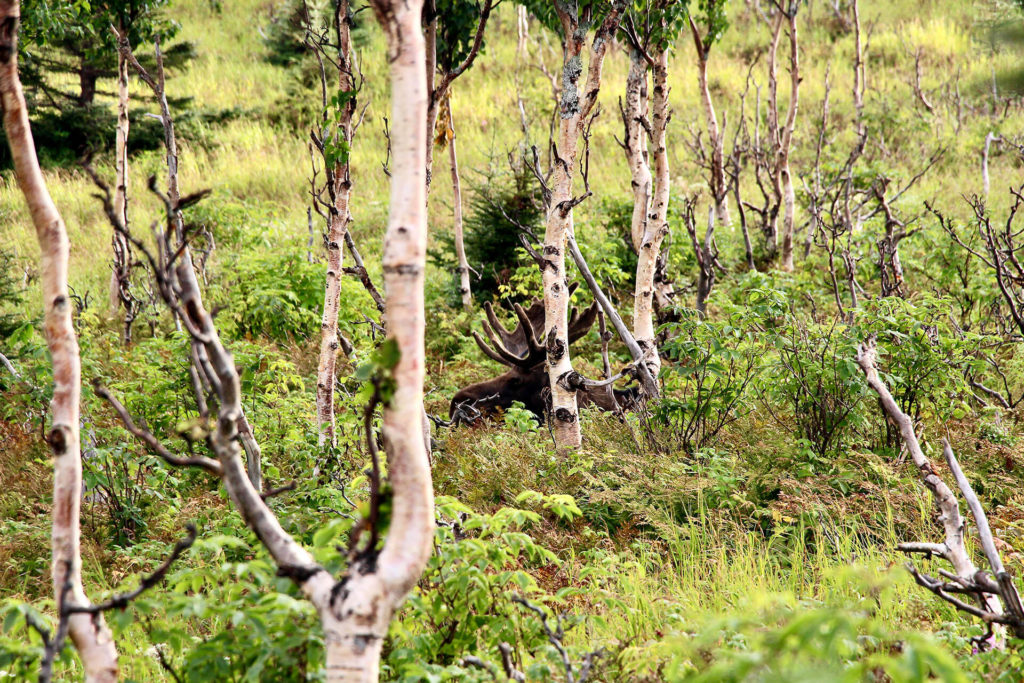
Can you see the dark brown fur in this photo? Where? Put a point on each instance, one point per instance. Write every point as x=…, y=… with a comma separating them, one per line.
x=522, y=350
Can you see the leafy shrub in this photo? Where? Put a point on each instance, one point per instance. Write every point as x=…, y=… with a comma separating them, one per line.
x=711, y=366
x=462, y=606
x=277, y=294
x=814, y=375
x=923, y=355
x=447, y=335
x=520, y=419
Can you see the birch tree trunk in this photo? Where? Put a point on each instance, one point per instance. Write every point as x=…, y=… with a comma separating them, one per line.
x=771, y=228
x=433, y=96
x=657, y=221
x=340, y=216
x=460, y=246
x=121, y=266
x=355, y=611
x=716, y=137
x=370, y=599
x=574, y=108
x=89, y=633
x=634, y=116
x=785, y=143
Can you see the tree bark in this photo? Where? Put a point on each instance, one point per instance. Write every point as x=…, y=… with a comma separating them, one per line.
x=656, y=227
x=339, y=218
x=121, y=271
x=355, y=611
x=785, y=142
x=634, y=119
x=953, y=549
x=718, y=186
x=574, y=107
x=89, y=633
x=460, y=247
x=365, y=608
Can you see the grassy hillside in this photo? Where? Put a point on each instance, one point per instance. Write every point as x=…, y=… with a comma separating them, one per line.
x=752, y=557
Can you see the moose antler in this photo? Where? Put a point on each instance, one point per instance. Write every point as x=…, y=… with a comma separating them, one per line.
x=518, y=347
x=523, y=346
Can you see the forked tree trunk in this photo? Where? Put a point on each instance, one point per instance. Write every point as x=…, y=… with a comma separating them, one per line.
x=634, y=117
x=716, y=138
x=89, y=633
x=338, y=221
x=657, y=221
x=460, y=247
x=953, y=548
x=355, y=611
x=369, y=600
x=574, y=107
x=121, y=271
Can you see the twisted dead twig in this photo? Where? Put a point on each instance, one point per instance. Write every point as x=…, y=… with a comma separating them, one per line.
x=122, y=600
x=154, y=444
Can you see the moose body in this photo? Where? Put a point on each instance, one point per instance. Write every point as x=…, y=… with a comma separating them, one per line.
x=522, y=350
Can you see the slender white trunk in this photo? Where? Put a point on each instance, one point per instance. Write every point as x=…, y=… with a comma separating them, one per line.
x=460, y=246
x=90, y=634
x=785, y=143
x=564, y=414
x=634, y=114
x=337, y=226
x=121, y=267
x=364, y=609
x=716, y=137
x=657, y=221
x=523, y=30
x=771, y=228
x=574, y=108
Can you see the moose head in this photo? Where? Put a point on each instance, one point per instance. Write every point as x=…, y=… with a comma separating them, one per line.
x=523, y=352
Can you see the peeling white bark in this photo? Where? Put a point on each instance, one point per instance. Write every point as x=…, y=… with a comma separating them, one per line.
x=656, y=227
x=716, y=137
x=634, y=143
x=574, y=108
x=90, y=635
x=465, y=291
x=121, y=268
x=338, y=221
